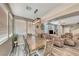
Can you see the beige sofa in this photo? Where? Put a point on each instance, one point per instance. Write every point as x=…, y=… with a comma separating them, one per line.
x=68, y=39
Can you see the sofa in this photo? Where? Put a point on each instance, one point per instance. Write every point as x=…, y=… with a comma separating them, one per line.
x=68, y=39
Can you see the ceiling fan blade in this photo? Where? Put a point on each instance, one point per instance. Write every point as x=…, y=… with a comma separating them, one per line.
x=35, y=11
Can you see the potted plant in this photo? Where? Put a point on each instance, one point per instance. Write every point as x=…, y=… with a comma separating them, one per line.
x=14, y=38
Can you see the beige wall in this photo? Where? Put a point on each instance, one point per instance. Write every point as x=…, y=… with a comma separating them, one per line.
x=23, y=27
x=3, y=22
x=20, y=27
x=31, y=28
x=60, y=32
x=75, y=31
x=67, y=29
x=5, y=48
x=5, y=43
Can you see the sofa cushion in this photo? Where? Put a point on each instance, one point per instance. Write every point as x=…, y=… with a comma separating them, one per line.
x=69, y=42
x=59, y=42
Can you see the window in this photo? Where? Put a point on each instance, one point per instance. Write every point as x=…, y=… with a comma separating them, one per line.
x=4, y=26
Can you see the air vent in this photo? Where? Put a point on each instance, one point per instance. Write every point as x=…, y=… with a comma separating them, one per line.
x=28, y=8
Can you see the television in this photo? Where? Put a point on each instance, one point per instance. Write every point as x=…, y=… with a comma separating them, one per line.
x=50, y=31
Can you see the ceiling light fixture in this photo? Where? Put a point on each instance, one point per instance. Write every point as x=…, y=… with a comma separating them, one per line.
x=35, y=11
x=28, y=8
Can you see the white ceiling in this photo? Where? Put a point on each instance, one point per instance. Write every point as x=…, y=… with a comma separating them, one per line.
x=19, y=9
x=67, y=21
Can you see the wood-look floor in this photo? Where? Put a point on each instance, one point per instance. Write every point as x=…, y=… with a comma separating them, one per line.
x=65, y=51
x=19, y=50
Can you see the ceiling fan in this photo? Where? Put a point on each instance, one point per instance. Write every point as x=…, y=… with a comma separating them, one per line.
x=36, y=10
x=30, y=8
